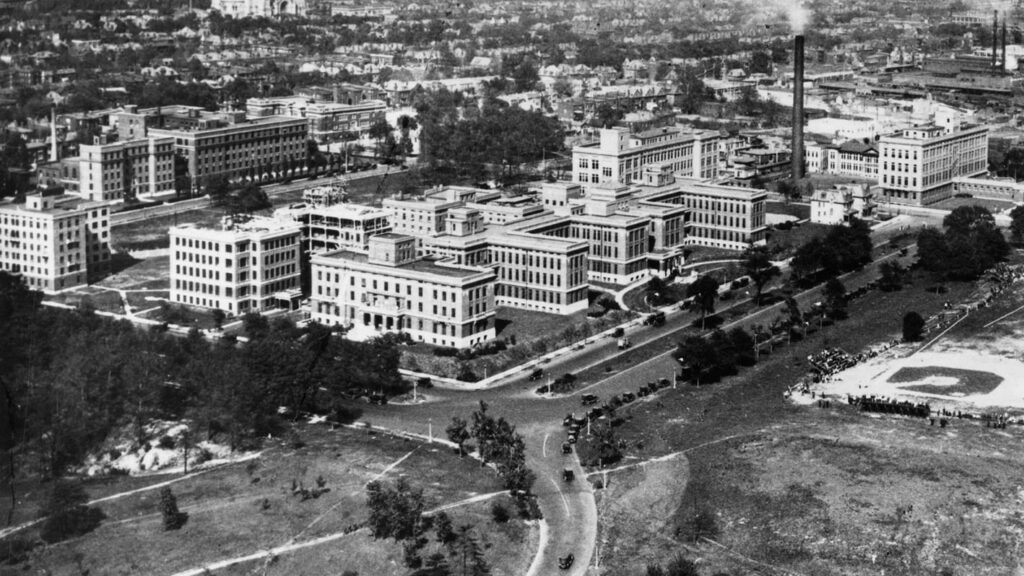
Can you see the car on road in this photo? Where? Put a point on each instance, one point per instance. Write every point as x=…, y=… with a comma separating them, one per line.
x=655, y=319
x=566, y=448
x=588, y=399
x=565, y=562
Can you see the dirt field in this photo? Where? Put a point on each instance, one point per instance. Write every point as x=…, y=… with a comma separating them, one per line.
x=782, y=487
x=245, y=508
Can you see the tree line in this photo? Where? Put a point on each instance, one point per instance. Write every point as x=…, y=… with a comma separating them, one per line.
x=493, y=139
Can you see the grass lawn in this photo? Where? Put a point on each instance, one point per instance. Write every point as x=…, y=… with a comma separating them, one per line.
x=241, y=509
x=993, y=205
x=527, y=325
x=151, y=233
x=801, y=211
x=180, y=314
x=145, y=300
x=101, y=300
x=783, y=243
x=968, y=382
x=134, y=274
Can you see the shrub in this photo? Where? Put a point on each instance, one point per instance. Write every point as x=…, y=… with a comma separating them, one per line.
x=499, y=513
x=446, y=351
x=66, y=514
x=173, y=518
x=166, y=442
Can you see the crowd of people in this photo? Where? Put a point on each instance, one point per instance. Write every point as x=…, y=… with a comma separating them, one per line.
x=886, y=405
x=831, y=360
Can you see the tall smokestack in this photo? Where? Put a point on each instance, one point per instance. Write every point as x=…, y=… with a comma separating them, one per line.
x=1004, y=44
x=995, y=36
x=54, y=148
x=798, y=107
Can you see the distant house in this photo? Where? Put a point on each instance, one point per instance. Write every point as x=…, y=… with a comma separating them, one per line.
x=840, y=204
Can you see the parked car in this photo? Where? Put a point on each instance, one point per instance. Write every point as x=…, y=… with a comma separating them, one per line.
x=568, y=475
x=589, y=399
x=565, y=562
x=566, y=448
x=537, y=374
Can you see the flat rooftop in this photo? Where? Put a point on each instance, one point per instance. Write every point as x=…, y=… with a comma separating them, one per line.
x=422, y=266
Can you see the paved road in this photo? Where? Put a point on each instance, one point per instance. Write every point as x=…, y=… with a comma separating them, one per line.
x=569, y=508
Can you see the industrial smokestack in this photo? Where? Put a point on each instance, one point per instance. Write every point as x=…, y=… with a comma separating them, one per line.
x=995, y=36
x=1004, y=44
x=54, y=147
x=798, y=107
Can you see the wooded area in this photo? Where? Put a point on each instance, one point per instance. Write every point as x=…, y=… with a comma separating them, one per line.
x=68, y=379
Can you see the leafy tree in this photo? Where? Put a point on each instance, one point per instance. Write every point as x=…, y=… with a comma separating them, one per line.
x=970, y=245
x=255, y=325
x=891, y=276
x=913, y=327
x=835, y=298
x=697, y=356
x=742, y=344
x=458, y=433
x=66, y=514
x=1017, y=223
x=443, y=529
x=467, y=555
x=379, y=131
x=758, y=266
x=704, y=290
x=173, y=518
x=395, y=512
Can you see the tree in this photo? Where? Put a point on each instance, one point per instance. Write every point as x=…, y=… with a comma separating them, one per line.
x=891, y=277
x=697, y=356
x=173, y=518
x=395, y=512
x=835, y=299
x=913, y=327
x=742, y=344
x=66, y=514
x=458, y=433
x=758, y=266
x=703, y=290
x=1017, y=223
x=379, y=131
x=443, y=529
x=218, y=317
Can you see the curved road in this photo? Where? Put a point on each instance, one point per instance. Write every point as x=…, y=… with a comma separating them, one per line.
x=569, y=508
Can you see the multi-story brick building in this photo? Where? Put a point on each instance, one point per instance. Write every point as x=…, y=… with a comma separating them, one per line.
x=328, y=122
x=220, y=143
x=246, y=265
x=55, y=242
x=116, y=170
x=920, y=165
x=621, y=156
x=390, y=288
x=718, y=216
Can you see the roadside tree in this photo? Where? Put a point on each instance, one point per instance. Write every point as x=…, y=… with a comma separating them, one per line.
x=913, y=327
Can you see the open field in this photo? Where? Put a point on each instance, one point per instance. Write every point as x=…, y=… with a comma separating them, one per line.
x=151, y=234
x=241, y=509
x=811, y=490
x=134, y=274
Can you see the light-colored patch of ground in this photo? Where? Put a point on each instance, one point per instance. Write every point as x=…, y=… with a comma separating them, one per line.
x=635, y=510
